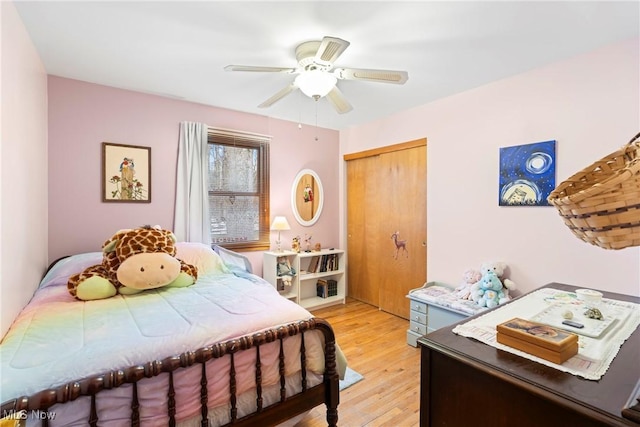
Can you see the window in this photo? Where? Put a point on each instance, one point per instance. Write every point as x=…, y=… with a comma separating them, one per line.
x=238, y=183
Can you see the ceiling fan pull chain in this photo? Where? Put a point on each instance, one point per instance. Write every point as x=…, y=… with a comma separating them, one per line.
x=316, y=118
x=300, y=111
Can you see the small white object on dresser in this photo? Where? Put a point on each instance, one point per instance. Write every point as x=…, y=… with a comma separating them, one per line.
x=319, y=279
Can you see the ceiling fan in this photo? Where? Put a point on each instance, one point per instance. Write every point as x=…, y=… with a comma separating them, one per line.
x=317, y=77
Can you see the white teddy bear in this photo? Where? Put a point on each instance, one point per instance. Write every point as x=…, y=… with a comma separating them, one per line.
x=469, y=278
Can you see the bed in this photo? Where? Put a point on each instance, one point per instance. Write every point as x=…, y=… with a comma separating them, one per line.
x=226, y=350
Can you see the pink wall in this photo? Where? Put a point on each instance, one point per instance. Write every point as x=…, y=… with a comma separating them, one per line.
x=23, y=167
x=590, y=104
x=83, y=115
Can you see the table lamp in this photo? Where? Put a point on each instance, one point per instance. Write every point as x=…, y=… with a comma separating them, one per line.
x=279, y=223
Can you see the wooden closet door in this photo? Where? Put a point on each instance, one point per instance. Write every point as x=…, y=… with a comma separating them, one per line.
x=362, y=223
x=403, y=210
x=386, y=193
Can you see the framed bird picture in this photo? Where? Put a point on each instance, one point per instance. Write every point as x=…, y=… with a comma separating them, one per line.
x=126, y=173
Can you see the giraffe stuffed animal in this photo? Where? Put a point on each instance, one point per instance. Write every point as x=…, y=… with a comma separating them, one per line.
x=133, y=261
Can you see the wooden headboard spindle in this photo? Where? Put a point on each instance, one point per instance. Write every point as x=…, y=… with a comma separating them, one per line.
x=303, y=363
x=333, y=395
x=171, y=403
x=283, y=390
x=202, y=355
x=135, y=405
x=232, y=389
x=204, y=396
x=259, y=401
x=93, y=417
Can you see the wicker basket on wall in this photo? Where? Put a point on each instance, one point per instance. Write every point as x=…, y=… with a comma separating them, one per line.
x=601, y=203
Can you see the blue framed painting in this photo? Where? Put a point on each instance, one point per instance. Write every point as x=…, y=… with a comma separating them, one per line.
x=527, y=174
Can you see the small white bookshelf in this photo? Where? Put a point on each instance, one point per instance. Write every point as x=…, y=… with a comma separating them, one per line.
x=319, y=279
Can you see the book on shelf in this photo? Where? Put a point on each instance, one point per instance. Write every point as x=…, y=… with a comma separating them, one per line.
x=313, y=264
x=332, y=288
x=558, y=357
x=538, y=334
x=328, y=262
x=323, y=263
x=322, y=288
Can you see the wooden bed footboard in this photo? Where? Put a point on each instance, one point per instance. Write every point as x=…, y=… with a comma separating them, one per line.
x=326, y=392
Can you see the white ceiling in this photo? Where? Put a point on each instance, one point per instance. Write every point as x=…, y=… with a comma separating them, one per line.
x=178, y=49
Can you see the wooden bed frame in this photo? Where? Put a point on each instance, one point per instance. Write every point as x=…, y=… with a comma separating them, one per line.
x=326, y=392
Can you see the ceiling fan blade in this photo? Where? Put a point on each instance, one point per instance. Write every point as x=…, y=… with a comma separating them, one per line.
x=381, y=76
x=339, y=102
x=259, y=69
x=330, y=49
x=278, y=96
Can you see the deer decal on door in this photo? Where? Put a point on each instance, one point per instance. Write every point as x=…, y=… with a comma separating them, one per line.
x=400, y=244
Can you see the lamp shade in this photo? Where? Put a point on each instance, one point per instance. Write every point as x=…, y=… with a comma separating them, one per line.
x=316, y=83
x=280, y=223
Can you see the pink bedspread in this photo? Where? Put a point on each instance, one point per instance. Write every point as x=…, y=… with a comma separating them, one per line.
x=57, y=339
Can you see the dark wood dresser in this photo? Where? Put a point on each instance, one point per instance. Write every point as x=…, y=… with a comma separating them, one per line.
x=464, y=382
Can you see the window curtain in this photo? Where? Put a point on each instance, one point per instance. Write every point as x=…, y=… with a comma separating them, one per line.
x=191, y=223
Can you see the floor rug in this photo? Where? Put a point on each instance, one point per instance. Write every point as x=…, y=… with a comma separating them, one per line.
x=350, y=378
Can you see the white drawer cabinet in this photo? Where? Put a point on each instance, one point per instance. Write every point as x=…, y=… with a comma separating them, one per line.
x=426, y=317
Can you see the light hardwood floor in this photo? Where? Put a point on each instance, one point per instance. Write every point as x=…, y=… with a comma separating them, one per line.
x=375, y=345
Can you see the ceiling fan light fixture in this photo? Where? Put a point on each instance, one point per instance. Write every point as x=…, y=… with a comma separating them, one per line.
x=316, y=76
x=316, y=83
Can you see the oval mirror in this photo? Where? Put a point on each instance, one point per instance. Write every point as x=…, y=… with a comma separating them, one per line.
x=307, y=197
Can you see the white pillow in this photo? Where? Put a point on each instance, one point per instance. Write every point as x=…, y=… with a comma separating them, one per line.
x=60, y=271
x=234, y=259
x=202, y=256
